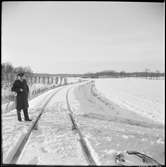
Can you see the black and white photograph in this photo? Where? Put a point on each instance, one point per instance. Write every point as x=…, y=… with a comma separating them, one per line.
x=83, y=83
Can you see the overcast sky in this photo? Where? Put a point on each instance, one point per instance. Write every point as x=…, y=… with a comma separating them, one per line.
x=78, y=37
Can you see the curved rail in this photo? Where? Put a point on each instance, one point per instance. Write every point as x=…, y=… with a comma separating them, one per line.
x=14, y=154
x=84, y=144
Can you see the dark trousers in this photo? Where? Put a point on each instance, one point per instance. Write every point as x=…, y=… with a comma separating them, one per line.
x=26, y=116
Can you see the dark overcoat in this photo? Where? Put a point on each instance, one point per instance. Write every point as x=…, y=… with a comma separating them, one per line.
x=22, y=97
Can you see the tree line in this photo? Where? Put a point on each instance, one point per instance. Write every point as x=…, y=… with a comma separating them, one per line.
x=8, y=68
x=8, y=71
x=111, y=73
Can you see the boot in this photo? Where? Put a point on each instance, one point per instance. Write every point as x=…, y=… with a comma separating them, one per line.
x=26, y=116
x=19, y=115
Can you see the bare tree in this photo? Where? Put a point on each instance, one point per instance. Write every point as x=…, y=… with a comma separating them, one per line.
x=7, y=67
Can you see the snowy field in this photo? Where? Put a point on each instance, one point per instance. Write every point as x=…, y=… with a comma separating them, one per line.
x=143, y=96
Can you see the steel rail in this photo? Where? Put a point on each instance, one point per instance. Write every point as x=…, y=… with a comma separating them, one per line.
x=90, y=159
x=14, y=154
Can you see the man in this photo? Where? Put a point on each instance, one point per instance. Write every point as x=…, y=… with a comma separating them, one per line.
x=21, y=88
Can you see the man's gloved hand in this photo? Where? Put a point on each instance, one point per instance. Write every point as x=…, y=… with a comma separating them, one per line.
x=15, y=94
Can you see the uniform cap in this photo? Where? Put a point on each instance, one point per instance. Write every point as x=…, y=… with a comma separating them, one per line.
x=20, y=74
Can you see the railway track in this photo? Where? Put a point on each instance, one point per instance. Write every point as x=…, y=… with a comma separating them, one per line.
x=15, y=153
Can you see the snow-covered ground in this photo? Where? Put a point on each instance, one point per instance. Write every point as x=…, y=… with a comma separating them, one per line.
x=142, y=96
x=106, y=126
x=12, y=130
x=112, y=128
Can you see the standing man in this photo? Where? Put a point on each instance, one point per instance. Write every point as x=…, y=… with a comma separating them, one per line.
x=21, y=88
